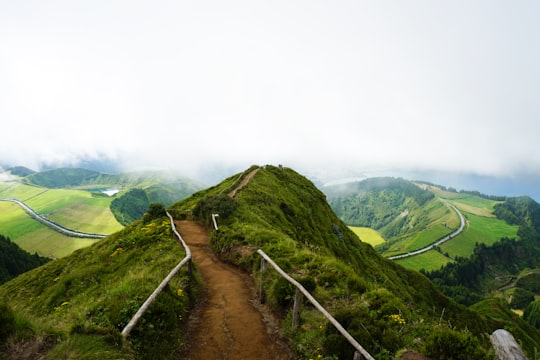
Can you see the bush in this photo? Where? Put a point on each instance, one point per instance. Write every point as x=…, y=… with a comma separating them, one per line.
x=7, y=322
x=155, y=211
x=448, y=344
x=521, y=298
x=282, y=293
x=221, y=204
x=532, y=314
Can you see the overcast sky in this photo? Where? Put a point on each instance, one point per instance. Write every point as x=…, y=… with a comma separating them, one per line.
x=368, y=85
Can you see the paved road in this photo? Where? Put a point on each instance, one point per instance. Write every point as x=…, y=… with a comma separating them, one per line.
x=51, y=224
x=438, y=242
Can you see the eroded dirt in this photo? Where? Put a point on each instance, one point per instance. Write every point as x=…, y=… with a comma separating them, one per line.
x=229, y=323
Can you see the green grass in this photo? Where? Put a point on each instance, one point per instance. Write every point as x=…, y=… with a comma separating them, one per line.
x=19, y=191
x=430, y=260
x=74, y=209
x=85, y=299
x=367, y=235
x=282, y=213
x=475, y=205
x=439, y=221
x=33, y=236
x=480, y=230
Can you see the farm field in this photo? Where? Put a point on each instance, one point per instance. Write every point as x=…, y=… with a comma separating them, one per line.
x=367, y=235
x=430, y=260
x=33, y=236
x=74, y=209
x=479, y=229
x=475, y=205
x=442, y=221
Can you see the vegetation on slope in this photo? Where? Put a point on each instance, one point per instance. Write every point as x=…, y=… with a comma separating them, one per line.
x=61, y=178
x=407, y=216
x=386, y=307
x=15, y=261
x=130, y=206
x=75, y=307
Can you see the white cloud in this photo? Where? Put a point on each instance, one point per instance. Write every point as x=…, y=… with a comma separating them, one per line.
x=447, y=86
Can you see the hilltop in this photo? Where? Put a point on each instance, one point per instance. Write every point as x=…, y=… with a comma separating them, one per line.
x=81, y=301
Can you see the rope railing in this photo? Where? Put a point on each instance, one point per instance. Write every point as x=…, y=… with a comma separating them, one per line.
x=187, y=259
x=360, y=352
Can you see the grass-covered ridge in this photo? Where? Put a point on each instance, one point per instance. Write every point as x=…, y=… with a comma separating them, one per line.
x=385, y=306
x=75, y=307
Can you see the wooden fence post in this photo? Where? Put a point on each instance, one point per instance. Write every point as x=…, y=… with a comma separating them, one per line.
x=261, y=290
x=296, y=308
x=190, y=268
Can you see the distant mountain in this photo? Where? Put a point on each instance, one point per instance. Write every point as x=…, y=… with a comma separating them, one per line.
x=61, y=178
x=20, y=171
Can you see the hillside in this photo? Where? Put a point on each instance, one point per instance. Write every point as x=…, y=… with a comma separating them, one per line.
x=78, y=303
x=284, y=214
x=412, y=215
x=75, y=307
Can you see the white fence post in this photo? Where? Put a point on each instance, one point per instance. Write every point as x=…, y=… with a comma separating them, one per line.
x=214, y=216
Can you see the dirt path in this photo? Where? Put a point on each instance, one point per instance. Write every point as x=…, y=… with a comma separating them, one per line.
x=244, y=182
x=229, y=324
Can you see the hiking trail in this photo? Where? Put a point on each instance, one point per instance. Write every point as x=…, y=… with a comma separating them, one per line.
x=229, y=323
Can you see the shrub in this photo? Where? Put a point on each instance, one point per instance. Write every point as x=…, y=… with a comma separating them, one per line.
x=7, y=322
x=221, y=204
x=282, y=292
x=155, y=211
x=448, y=344
x=532, y=314
x=521, y=298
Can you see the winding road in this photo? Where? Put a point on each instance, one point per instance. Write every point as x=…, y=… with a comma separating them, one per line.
x=51, y=224
x=440, y=241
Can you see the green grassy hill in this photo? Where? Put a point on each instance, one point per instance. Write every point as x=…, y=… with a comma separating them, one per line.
x=387, y=307
x=76, y=305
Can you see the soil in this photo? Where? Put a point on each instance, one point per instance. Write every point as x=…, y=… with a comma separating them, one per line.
x=229, y=323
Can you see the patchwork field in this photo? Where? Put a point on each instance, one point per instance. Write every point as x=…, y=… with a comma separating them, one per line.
x=367, y=235
x=479, y=229
x=430, y=260
x=74, y=209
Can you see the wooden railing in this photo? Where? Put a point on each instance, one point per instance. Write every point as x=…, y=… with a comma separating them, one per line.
x=360, y=352
x=186, y=260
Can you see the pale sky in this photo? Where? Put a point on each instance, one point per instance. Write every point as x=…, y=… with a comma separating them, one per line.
x=365, y=85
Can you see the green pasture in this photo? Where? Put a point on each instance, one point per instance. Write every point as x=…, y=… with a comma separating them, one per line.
x=89, y=215
x=479, y=229
x=430, y=260
x=475, y=205
x=47, y=242
x=14, y=222
x=73, y=209
x=441, y=222
x=19, y=191
x=33, y=236
x=367, y=235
